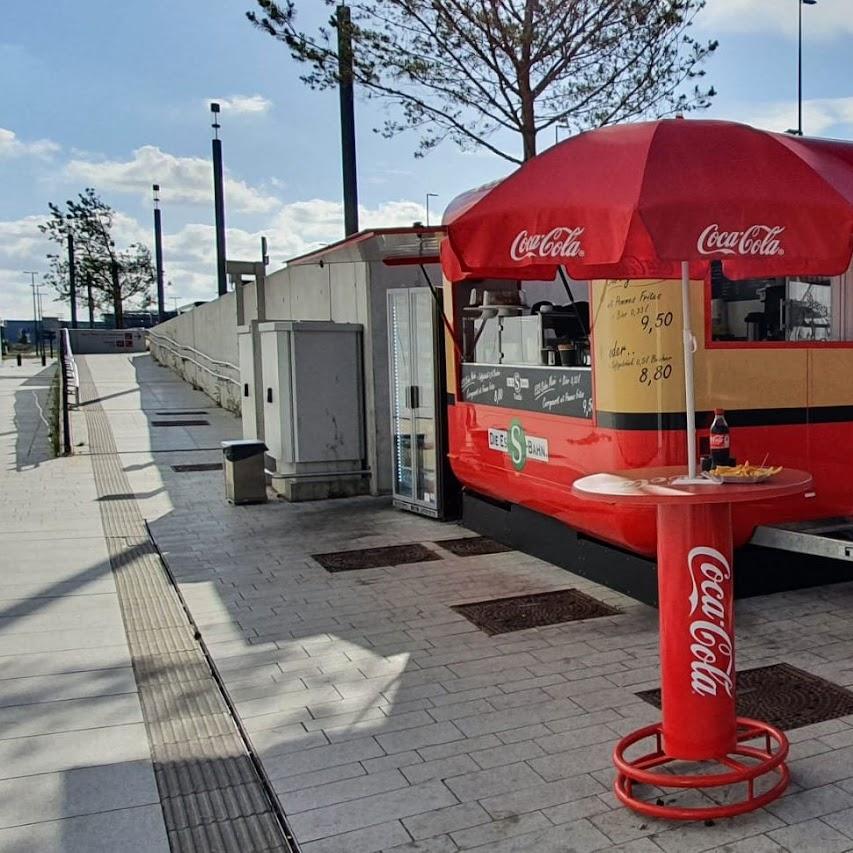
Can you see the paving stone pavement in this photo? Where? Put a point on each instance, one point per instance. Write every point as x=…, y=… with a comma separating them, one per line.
x=387, y=722
x=75, y=766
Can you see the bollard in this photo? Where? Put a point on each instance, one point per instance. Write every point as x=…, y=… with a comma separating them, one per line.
x=18, y=358
x=43, y=360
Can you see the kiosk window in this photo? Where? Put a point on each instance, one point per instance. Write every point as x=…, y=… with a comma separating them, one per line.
x=501, y=327
x=798, y=308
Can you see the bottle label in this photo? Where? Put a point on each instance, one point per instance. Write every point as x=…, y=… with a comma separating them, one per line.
x=720, y=441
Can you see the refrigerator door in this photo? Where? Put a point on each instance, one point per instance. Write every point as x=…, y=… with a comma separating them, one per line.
x=400, y=371
x=425, y=440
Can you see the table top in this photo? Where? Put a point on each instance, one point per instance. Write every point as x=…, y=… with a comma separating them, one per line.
x=655, y=486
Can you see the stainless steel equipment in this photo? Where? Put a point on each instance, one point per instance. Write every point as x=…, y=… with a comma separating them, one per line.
x=245, y=479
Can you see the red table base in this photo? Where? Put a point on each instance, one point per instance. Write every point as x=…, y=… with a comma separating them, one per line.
x=640, y=771
x=699, y=725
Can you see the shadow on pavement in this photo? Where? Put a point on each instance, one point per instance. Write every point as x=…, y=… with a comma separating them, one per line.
x=31, y=419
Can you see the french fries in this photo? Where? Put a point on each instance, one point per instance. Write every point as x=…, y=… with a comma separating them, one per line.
x=745, y=471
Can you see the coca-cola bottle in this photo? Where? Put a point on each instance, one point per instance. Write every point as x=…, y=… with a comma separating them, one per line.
x=720, y=439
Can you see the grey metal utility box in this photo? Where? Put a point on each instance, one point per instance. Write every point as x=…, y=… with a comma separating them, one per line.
x=314, y=408
x=245, y=477
x=251, y=381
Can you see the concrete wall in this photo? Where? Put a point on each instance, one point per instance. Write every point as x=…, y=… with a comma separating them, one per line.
x=201, y=346
x=351, y=291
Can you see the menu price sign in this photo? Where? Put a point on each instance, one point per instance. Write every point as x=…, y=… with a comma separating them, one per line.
x=550, y=390
x=639, y=365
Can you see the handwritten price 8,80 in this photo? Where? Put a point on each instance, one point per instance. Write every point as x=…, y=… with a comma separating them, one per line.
x=661, y=372
x=660, y=321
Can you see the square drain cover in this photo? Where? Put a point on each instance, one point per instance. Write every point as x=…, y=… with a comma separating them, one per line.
x=198, y=466
x=784, y=696
x=175, y=413
x=472, y=546
x=502, y=615
x=180, y=423
x=373, y=558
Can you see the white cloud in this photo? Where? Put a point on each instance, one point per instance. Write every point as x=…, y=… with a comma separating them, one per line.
x=21, y=239
x=245, y=104
x=12, y=146
x=189, y=253
x=827, y=19
x=820, y=115
x=183, y=180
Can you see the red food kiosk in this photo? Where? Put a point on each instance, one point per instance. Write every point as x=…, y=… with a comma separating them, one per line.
x=571, y=398
x=550, y=379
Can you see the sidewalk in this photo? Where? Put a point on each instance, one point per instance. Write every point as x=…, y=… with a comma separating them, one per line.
x=387, y=721
x=75, y=767
x=384, y=720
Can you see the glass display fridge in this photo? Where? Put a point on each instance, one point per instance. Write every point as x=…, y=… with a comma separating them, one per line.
x=422, y=481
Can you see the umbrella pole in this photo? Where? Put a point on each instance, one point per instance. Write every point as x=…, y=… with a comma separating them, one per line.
x=689, y=346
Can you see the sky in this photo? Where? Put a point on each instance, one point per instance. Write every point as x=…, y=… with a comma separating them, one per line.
x=115, y=96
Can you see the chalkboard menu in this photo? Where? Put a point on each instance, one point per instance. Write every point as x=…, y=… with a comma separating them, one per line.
x=552, y=390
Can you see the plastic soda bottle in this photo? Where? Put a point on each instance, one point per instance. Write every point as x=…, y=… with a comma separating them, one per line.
x=720, y=439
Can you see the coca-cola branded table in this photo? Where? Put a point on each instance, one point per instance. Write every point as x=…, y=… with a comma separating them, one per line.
x=697, y=651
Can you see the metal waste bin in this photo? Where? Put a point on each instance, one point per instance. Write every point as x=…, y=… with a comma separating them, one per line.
x=245, y=479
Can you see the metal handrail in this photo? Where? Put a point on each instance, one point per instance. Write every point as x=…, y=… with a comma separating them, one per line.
x=170, y=343
x=68, y=378
x=70, y=365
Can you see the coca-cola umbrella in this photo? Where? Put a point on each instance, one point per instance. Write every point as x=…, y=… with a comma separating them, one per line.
x=662, y=199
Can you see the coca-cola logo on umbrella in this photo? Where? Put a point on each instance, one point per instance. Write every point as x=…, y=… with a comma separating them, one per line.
x=712, y=647
x=762, y=240
x=560, y=242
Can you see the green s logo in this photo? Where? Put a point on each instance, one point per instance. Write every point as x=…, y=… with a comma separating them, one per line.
x=517, y=444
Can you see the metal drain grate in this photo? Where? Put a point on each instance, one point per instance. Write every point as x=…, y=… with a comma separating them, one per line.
x=502, y=615
x=180, y=423
x=472, y=546
x=373, y=558
x=174, y=413
x=199, y=466
x=784, y=696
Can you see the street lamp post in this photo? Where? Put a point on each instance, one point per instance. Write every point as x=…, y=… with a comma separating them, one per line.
x=428, y=197
x=800, y=4
x=32, y=276
x=218, y=202
x=158, y=253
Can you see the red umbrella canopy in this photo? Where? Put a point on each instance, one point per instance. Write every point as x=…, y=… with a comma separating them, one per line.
x=634, y=201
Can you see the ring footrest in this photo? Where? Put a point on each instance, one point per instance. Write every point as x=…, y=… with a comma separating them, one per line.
x=760, y=763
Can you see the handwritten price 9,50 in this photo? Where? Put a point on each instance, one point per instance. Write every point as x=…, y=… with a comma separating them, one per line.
x=661, y=372
x=659, y=321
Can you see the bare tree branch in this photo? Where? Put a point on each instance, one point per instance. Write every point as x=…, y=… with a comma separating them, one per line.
x=482, y=72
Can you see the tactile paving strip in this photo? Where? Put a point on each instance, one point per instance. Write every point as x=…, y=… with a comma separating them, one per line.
x=784, y=696
x=211, y=791
x=517, y=612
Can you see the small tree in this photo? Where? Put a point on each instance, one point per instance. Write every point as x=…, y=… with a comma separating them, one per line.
x=466, y=70
x=89, y=220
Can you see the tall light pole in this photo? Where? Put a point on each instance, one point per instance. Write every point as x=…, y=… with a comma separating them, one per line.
x=345, y=93
x=158, y=253
x=800, y=4
x=218, y=202
x=428, y=197
x=32, y=276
